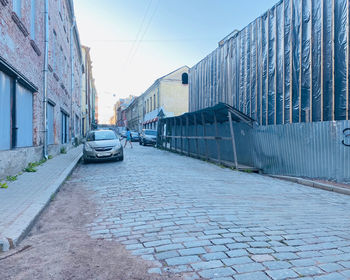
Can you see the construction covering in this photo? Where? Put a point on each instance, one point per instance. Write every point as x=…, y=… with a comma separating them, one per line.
x=290, y=65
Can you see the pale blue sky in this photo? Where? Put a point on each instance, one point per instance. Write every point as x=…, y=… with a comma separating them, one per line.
x=133, y=42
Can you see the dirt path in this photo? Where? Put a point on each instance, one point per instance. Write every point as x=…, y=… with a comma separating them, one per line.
x=58, y=246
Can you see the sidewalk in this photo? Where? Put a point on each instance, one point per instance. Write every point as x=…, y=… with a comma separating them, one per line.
x=24, y=199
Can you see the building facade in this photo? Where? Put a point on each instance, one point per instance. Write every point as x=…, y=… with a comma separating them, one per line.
x=132, y=115
x=118, y=110
x=167, y=97
x=40, y=80
x=88, y=96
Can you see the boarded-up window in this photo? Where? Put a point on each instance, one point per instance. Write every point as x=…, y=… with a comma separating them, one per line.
x=64, y=128
x=50, y=124
x=24, y=117
x=5, y=111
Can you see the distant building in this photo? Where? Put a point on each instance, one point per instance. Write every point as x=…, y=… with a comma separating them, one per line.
x=122, y=104
x=132, y=115
x=31, y=85
x=167, y=97
x=88, y=96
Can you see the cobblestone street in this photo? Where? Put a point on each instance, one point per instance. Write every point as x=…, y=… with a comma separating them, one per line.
x=201, y=220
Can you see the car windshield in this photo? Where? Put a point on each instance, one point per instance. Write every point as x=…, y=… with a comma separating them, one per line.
x=134, y=133
x=151, y=132
x=101, y=135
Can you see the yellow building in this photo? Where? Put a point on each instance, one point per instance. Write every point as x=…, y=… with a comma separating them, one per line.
x=167, y=97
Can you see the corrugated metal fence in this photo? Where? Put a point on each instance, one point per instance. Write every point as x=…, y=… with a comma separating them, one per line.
x=290, y=65
x=313, y=150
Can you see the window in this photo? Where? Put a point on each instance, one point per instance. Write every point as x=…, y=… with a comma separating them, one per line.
x=64, y=127
x=76, y=125
x=16, y=127
x=150, y=103
x=24, y=117
x=50, y=124
x=154, y=101
x=5, y=111
x=32, y=19
x=17, y=7
x=185, y=79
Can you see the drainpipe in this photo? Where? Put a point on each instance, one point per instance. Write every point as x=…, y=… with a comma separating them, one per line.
x=46, y=69
x=72, y=73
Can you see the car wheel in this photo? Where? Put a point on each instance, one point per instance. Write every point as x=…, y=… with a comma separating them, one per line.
x=121, y=158
x=86, y=161
x=140, y=142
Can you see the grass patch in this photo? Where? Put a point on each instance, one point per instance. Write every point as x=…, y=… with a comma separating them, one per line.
x=3, y=185
x=63, y=150
x=11, y=178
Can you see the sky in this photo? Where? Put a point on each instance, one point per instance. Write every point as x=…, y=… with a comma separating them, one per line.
x=134, y=42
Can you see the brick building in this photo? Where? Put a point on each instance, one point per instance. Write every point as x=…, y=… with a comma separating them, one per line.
x=40, y=79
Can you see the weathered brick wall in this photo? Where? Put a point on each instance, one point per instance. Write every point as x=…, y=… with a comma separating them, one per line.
x=26, y=55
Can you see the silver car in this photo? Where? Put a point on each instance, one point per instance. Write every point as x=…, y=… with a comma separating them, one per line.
x=102, y=145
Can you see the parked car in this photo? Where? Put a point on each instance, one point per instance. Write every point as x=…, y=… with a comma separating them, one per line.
x=148, y=137
x=102, y=145
x=135, y=136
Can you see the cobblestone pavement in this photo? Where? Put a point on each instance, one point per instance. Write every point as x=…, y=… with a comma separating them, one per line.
x=204, y=221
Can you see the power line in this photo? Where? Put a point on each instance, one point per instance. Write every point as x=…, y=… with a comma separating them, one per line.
x=145, y=31
x=138, y=32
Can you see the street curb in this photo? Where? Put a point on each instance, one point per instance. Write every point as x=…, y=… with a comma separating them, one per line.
x=10, y=242
x=313, y=184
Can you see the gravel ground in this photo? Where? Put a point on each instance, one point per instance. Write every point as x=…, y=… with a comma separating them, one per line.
x=58, y=247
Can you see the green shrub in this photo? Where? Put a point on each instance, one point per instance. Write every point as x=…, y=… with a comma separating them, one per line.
x=63, y=150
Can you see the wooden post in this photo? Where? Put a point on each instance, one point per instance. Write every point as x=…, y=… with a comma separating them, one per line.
x=216, y=137
x=168, y=134
x=233, y=140
x=181, y=134
x=205, y=134
x=175, y=140
x=188, y=134
x=196, y=130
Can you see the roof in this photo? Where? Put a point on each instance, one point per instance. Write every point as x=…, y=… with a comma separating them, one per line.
x=158, y=80
x=221, y=110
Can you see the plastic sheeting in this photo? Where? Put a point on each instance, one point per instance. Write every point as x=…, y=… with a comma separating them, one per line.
x=289, y=65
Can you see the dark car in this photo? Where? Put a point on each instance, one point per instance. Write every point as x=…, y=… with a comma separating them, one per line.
x=135, y=136
x=148, y=137
x=102, y=145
